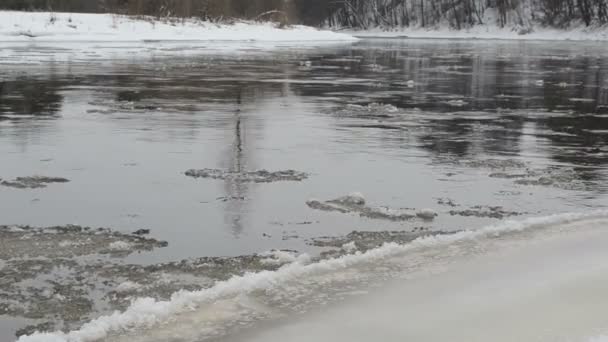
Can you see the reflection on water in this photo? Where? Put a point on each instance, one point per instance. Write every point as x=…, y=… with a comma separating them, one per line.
x=543, y=103
x=236, y=192
x=30, y=96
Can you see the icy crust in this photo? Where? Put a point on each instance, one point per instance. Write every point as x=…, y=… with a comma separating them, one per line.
x=147, y=312
x=496, y=212
x=491, y=30
x=487, y=211
x=61, y=277
x=355, y=203
x=68, y=241
x=52, y=275
x=259, y=176
x=75, y=27
x=523, y=173
x=366, y=240
x=33, y=182
x=370, y=111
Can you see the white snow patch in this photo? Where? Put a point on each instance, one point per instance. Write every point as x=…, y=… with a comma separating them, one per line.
x=128, y=286
x=490, y=31
x=276, y=257
x=146, y=312
x=392, y=213
x=120, y=246
x=69, y=243
x=45, y=26
x=427, y=214
x=457, y=103
x=15, y=229
x=354, y=198
x=579, y=99
x=349, y=247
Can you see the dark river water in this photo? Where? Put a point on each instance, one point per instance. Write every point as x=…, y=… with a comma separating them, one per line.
x=459, y=127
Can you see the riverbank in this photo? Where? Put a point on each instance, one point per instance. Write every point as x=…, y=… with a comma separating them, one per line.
x=47, y=26
x=576, y=33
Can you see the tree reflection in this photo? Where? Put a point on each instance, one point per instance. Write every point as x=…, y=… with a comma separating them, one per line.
x=30, y=96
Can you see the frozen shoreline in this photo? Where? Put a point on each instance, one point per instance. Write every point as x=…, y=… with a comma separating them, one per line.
x=545, y=288
x=75, y=27
x=491, y=32
x=146, y=313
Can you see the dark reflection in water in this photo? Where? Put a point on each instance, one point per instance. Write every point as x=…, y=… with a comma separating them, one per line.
x=30, y=96
x=236, y=193
x=465, y=99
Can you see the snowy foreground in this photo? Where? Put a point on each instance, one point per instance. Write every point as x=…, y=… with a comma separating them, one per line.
x=45, y=27
x=503, y=296
x=549, y=287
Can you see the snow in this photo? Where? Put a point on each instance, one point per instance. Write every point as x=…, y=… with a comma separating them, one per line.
x=349, y=247
x=491, y=30
x=120, y=246
x=427, y=214
x=355, y=198
x=65, y=27
x=542, y=286
x=128, y=286
x=146, y=312
x=276, y=257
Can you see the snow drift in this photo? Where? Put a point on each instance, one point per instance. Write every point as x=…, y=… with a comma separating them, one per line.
x=46, y=26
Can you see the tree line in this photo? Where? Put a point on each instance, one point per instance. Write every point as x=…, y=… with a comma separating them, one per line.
x=349, y=13
x=465, y=13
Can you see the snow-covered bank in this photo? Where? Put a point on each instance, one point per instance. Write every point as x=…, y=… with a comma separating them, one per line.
x=489, y=32
x=45, y=27
x=548, y=288
x=521, y=26
x=289, y=282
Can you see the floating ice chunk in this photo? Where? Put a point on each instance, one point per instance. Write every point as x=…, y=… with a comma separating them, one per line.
x=259, y=176
x=69, y=243
x=410, y=83
x=326, y=206
x=349, y=247
x=145, y=312
x=120, y=246
x=15, y=229
x=372, y=110
x=426, y=214
x=386, y=213
x=128, y=286
x=355, y=203
x=457, y=103
x=33, y=182
x=355, y=198
x=580, y=99
x=276, y=257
